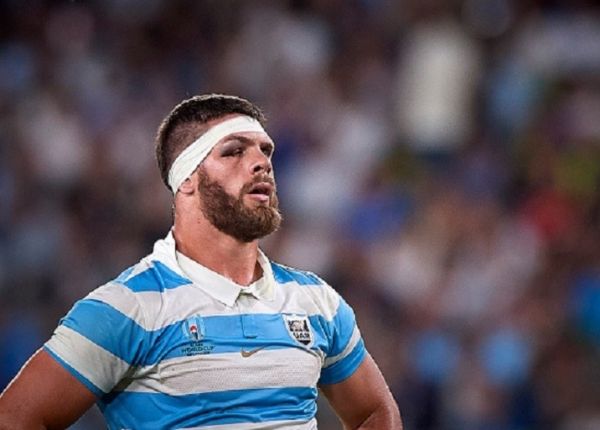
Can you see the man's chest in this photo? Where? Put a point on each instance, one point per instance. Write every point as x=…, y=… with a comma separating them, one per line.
x=243, y=348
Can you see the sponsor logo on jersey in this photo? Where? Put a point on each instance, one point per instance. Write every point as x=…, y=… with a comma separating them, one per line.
x=250, y=352
x=298, y=326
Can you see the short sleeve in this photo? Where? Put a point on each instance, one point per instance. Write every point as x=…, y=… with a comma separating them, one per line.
x=346, y=348
x=99, y=340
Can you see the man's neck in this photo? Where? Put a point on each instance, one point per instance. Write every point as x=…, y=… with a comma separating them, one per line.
x=219, y=252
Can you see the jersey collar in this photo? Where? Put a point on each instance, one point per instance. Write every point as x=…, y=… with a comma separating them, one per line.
x=213, y=283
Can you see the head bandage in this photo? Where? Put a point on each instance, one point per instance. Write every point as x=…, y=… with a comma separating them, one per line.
x=185, y=164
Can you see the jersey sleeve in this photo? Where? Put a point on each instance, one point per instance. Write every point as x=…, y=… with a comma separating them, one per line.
x=100, y=339
x=346, y=349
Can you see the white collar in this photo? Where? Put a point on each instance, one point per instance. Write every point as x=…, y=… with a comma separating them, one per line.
x=213, y=283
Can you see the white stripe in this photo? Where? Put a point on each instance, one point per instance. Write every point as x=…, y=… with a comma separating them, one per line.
x=154, y=310
x=121, y=298
x=185, y=164
x=98, y=365
x=278, y=368
x=354, y=339
x=270, y=425
x=324, y=297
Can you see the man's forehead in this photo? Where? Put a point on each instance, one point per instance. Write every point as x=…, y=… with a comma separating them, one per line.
x=212, y=123
x=247, y=137
x=197, y=128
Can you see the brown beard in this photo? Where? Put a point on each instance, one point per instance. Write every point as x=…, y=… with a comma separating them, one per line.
x=229, y=214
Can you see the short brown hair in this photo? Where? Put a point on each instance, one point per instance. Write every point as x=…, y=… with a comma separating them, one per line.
x=186, y=122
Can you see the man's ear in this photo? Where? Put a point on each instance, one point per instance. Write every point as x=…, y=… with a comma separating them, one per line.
x=188, y=186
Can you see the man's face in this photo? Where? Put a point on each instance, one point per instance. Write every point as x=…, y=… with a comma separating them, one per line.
x=237, y=189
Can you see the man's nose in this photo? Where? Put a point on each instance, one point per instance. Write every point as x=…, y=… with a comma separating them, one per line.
x=261, y=162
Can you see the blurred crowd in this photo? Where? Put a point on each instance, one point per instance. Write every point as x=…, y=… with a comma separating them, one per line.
x=438, y=163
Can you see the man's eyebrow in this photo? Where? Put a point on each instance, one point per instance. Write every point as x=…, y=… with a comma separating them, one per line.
x=247, y=140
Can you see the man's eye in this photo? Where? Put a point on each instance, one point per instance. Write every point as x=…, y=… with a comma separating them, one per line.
x=234, y=152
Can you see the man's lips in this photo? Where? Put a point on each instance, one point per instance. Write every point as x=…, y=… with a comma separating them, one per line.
x=261, y=188
x=261, y=191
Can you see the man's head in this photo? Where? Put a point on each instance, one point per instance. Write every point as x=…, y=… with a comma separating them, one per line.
x=189, y=120
x=214, y=150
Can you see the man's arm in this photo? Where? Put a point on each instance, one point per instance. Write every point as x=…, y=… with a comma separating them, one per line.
x=44, y=395
x=364, y=401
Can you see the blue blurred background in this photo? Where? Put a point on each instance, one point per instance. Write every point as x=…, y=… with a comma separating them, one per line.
x=438, y=163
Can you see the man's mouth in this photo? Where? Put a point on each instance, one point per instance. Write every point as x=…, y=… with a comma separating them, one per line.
x=261, y=191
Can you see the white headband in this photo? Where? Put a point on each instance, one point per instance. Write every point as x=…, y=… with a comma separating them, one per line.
x=191, y=157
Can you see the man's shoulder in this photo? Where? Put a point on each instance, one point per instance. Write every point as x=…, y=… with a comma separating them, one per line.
x=285, y=274
x=138, y=292
x=150, y=275
x=308, y=288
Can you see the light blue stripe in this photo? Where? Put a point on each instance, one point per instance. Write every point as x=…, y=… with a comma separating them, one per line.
x=89, y=384
x=344, y=368
x=284, y=274
x=109, y=329
x=156, y=278
x=161, y=411
x=224, y=334
x=123, y=337
x=124, y=275
x=343, y=326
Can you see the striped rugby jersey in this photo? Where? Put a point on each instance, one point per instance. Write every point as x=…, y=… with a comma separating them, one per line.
x=170, y=344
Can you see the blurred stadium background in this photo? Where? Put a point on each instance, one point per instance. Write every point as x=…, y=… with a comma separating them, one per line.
x=438, y=163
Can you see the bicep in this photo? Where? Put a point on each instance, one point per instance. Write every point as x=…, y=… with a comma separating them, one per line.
x=43, y=395
x=361, y=395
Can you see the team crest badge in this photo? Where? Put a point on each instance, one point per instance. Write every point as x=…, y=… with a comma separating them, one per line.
x=298, y=327
x=193, y=328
